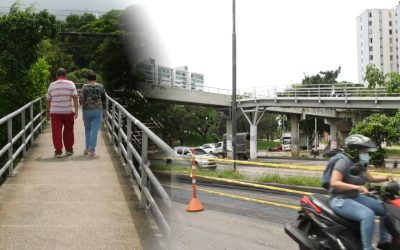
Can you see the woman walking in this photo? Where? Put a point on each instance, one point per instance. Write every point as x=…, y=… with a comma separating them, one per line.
x=93, y=101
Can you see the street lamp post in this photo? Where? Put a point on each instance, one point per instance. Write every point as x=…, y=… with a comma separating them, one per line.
x=234, y=86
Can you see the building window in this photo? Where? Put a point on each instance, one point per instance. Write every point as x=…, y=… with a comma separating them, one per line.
x=390, y=22
x=371, y=57
x=391, y=57
x=391, y=49
x=370, y=40
x=369, y=31
x=390, y=40
x=390, y=14
x=370, y=14
x=390, y=32
x=370, y=48
x=369, y=23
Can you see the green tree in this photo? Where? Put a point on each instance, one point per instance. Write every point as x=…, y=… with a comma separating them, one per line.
x=21, y=35
x=379, y=128
x=324, y=77
x=55, y=56
x=376, y=78
x=268, y=126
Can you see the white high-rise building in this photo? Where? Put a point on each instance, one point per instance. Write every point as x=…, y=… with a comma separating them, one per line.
x=179, y=77
x=182, y=77
x=377, y=40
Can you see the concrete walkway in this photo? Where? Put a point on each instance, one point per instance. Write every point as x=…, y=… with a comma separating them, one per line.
x=75, y=202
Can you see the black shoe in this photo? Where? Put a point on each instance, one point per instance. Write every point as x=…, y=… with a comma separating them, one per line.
x=383, y=245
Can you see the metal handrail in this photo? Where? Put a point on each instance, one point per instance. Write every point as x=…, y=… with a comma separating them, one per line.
x=121, y=135
x=317, y=91
x=25, y=127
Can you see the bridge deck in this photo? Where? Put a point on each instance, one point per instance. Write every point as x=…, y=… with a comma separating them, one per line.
x=75, y=202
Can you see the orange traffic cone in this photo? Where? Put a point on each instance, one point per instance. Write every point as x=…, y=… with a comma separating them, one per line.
x=195, y=204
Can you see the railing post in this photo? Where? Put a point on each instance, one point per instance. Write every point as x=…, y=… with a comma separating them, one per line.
x=143, y=183
x=319, y=94
x=40, y=110
x=128, y=140
x=24, y=134
x=119, y=130
x=10, y=150
x=112, y=122
x=31, y=119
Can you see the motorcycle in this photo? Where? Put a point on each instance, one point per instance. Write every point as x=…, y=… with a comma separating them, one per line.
x=318, y=227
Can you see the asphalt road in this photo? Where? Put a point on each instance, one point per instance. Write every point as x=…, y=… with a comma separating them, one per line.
x=228, y=221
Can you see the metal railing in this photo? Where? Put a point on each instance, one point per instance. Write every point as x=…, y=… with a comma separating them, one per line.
x=26, y=132
x=317, y=91
x=121, y=125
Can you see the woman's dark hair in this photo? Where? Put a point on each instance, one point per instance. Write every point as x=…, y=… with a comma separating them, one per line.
x=91, y=76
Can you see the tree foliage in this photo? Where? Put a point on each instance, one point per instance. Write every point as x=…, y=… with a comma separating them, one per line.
x=379, y=128
x=376, y=78
x=22, y=32
x=324, y=77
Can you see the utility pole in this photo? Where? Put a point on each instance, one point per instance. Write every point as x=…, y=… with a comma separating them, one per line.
x=234, y=85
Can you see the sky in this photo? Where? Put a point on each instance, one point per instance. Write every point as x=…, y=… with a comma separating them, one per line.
x=278, y=42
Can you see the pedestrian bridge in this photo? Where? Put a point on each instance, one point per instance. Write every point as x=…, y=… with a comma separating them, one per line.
x=112, y=201
x=317, y=97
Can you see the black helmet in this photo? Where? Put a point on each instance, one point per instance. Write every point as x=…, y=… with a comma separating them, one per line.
x=358, y=142
x=354, y=143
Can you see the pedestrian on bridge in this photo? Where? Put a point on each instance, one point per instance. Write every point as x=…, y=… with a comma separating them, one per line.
x=93, y=101
x=59, y=109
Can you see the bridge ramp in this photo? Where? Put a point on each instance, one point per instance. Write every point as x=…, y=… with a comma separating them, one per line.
x=75, y=202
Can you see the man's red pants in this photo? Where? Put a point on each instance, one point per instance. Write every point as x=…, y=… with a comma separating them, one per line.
x=58, y=121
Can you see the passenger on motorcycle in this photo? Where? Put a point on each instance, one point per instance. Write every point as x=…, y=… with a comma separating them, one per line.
x=347, y=190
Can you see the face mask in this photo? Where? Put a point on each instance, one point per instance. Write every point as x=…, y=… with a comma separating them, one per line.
x=364, y=158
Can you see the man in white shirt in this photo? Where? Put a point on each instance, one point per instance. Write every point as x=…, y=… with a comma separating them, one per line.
x=59, y=109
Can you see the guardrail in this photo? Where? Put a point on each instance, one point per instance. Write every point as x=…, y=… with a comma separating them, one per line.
x=119, y=123
x=12, y=140
x=319, y=91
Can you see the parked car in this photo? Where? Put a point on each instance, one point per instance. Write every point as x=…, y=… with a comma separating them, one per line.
x=209, y=148
x=183, y=155
x=218, y=149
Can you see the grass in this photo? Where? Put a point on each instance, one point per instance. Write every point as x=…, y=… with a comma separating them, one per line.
x=306, y=181
x=393, y=151
x=227, y=173
x=230, y=174
x=264, y=145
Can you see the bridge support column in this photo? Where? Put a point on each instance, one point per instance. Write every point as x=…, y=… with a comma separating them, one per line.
x=229, y=137
x=253, y=118
x=253, y=141
x=294, y=122
x=333, y=132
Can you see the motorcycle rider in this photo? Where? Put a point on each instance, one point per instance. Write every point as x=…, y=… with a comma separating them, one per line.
x=347, y=190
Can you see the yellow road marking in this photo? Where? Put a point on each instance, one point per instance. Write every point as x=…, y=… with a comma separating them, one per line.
x=277, y=204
